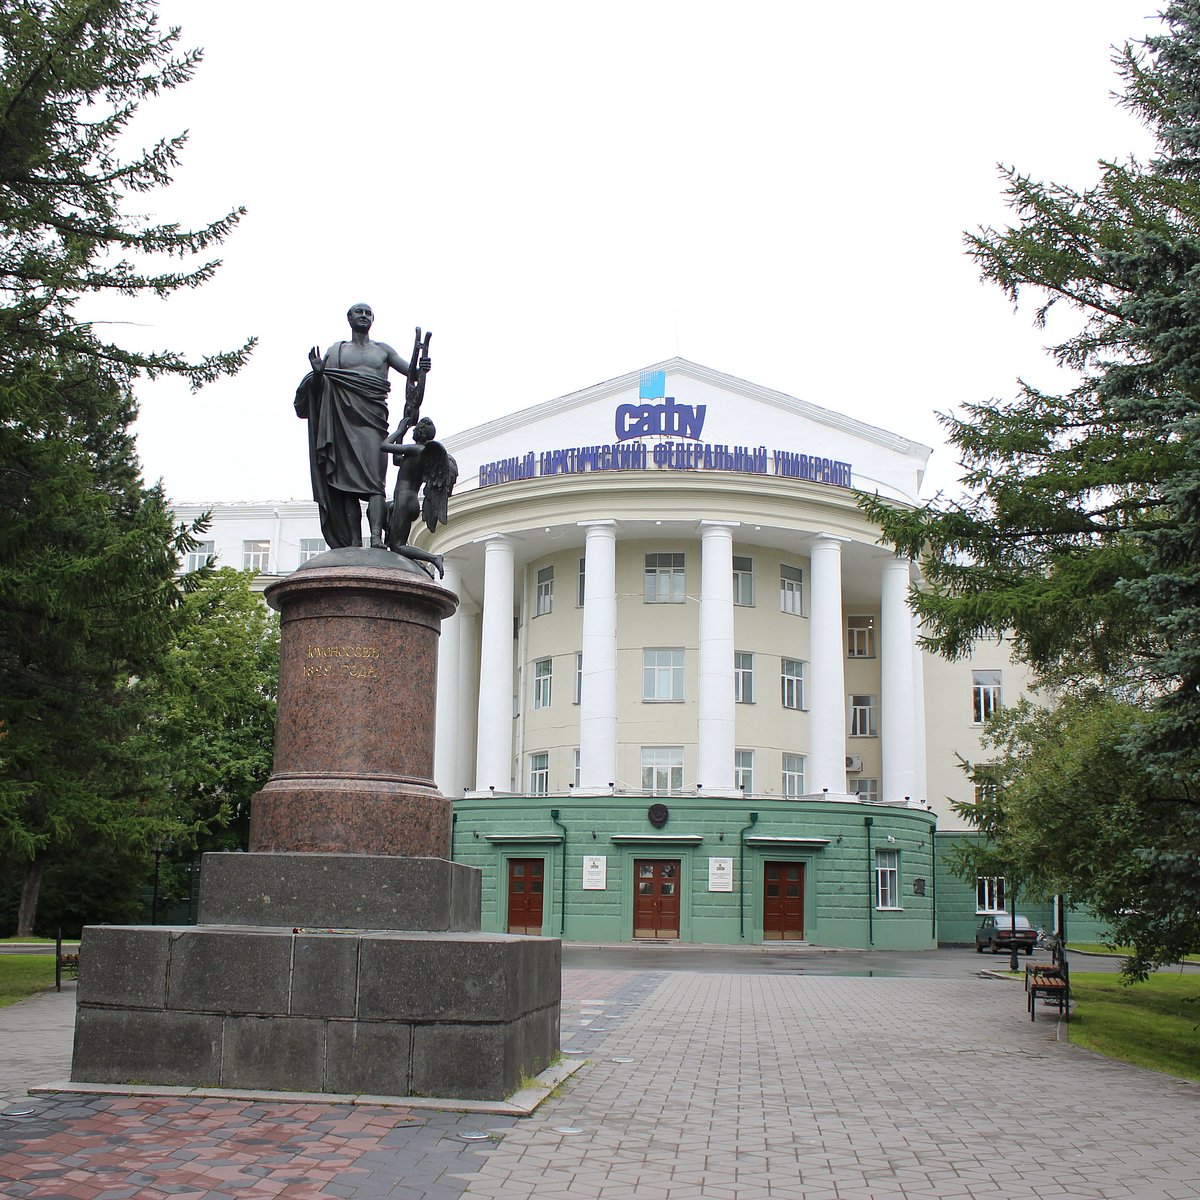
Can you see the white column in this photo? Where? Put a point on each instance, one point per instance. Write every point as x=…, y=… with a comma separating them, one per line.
x=447, y=762
x=715, y=722
x=598, y=698
x=468, y=689
x=897, y=723
x=827, y=692
x=920, y=794
x=493, y=756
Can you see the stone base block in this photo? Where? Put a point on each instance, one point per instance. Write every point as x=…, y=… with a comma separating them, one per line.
x=461, y=1015
x=340, y=891
x=332, y=815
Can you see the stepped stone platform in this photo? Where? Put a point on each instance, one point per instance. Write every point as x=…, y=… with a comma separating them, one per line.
x=318, y=965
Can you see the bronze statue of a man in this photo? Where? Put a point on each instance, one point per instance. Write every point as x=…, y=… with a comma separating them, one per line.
x=344, y=400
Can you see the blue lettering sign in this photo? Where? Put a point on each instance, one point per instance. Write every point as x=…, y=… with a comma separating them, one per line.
x=668, y=419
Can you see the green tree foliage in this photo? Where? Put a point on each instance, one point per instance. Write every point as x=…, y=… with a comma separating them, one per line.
x=1068, y=809
x=213, y=702
x=72, y=75
x=88, y=555
x=1079, y=534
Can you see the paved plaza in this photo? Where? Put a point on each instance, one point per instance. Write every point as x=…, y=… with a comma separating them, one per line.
x=739, y=1086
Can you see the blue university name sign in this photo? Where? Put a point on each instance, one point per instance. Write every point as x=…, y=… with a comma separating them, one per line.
x=676, y=430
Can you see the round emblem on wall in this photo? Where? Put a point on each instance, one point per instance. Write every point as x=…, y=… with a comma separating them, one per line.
x=657, y=815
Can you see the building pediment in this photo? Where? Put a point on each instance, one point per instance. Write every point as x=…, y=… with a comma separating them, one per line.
x=678, y=415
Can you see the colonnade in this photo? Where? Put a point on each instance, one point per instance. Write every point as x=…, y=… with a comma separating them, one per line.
x=901, y=717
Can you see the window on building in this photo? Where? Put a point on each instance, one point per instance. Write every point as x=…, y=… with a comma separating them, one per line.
x=544, y=597
x=255, y=555
x=664, y=579
x=887, y=878
x=791, y=590
x=989, y=894
x=575, y=768
x=864, y=716
x=582, y=581
x=539, y=774
x=791, y=682
x=662, y=769
x=662, y=674
x=577, y=698
x=866, y=790
x=743, y=770
x=311, y=547
x=203, y=554
x=793, y=775
x=743, y=677
x=542, y=672
x=860, y=637
x=985, y=695
x=743, y=581
x=985, y=792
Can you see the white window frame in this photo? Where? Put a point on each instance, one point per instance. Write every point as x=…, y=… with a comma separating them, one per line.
x=864, y=715
x=887, y=879
x=256, y=555
x=866, y=789
x=311, y=547
x=743, y=771
x=794, y=767
x=791, y=589
x=662, y=770
x=987, y=689
x=543, y=600
x=860, y=636
x=743, y=677
x=203, y=554
x=543, y=678
x=664, y=578
x=743, y=581
x=577, y=698
x=579, y=595
x=791, y=683
x=539, y=774
x=989, y=894
x=575, y=759
x=662, y=675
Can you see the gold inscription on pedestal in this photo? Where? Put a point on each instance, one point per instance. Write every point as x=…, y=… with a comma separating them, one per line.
x=356, y=662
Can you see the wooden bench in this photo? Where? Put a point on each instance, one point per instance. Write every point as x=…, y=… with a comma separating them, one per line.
x=1052, y=983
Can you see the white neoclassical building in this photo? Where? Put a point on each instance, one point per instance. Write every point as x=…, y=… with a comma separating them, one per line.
x=668, y=592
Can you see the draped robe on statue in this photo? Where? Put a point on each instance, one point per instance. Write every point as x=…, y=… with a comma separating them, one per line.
x=347, y=422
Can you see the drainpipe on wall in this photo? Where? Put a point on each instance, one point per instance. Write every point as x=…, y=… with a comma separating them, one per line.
x=742, y=874
x=933, y=881
x=868, y=822
x=562, y=903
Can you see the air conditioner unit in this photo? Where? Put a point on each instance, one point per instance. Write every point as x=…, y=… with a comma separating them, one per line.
x=853, y=762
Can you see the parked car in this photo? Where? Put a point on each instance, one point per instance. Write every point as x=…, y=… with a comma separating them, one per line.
x=996, y=933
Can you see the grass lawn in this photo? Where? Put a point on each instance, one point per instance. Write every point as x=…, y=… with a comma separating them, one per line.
x=1115, y=951
x=1155, y=1024
x=23, y=974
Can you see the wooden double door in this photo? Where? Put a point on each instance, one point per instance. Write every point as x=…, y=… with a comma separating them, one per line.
x=656, y=897
x=783, y=902
x=526, y=889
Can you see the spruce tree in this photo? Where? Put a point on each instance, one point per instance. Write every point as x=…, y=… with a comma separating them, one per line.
x=1079, y=534
x=88, y=554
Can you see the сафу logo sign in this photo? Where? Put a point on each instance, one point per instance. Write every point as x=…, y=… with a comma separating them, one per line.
x=668, y=418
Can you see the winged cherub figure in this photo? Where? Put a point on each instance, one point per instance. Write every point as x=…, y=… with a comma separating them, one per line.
x=425, y=462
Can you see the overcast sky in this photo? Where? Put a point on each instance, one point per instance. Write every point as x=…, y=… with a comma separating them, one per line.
x=564, y=192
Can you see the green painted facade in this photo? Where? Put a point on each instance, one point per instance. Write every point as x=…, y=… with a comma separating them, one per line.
x=958, y=915
x=835, y=843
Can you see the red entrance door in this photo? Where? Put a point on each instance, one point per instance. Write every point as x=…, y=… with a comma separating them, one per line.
x=656, y=898
x=525, y=877
x=783, y=902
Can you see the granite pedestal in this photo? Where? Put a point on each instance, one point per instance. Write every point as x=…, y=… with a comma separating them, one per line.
x=343, y=954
